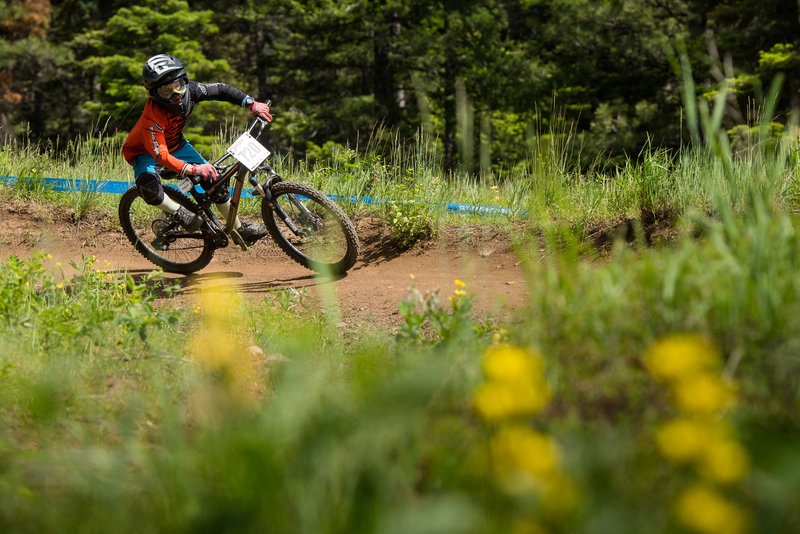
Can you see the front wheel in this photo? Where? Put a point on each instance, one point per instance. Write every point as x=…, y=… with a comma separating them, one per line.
x=161, y=240
x=310, y=228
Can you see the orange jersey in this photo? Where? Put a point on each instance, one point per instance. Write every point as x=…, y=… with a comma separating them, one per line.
x=157, y=132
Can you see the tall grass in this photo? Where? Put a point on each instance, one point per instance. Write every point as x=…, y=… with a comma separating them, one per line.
x=547, y=188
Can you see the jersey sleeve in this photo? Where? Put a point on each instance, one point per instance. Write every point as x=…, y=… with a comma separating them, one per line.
x=156, y=145
x=217, y=91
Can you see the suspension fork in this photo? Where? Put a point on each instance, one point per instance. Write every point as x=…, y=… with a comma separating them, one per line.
x=237, y=195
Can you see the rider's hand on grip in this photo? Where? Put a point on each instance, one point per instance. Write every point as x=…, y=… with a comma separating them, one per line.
x=206, y=170
x=261, y=111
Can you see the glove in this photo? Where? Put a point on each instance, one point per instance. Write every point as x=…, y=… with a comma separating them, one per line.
x=261, y=111
x=206, y=170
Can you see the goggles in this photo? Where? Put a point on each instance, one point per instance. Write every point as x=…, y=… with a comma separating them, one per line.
x=167, y=92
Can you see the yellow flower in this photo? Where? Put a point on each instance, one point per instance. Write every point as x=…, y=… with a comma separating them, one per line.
x=507, y=363
x=725, y=461
x=58, y=264
x=519, y=453
x=704, y=510
x=515, y=384
x=496, y=401
x=681, y=355
x=459, y=283
x=682, y=440
x=59, y=285
x=216, y=353
x=704, y=393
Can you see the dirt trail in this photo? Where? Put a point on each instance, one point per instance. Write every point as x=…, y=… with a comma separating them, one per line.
x=369, y=294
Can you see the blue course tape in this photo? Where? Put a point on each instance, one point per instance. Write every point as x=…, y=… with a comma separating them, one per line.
x=117, y=187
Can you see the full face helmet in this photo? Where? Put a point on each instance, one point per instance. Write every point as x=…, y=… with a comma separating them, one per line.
x=166, y=81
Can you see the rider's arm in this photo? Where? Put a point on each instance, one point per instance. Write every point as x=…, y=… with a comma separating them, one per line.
x=228, y=93
x=156, y=146
x=217, y=91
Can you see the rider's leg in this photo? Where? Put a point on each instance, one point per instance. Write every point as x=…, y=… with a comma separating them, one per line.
x=153, y=193
x=225, y=209
x=145, y=170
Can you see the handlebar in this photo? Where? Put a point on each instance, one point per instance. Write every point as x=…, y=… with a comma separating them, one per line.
x=258, y=121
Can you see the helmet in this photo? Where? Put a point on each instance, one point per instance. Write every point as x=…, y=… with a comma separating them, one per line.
x=166, y=81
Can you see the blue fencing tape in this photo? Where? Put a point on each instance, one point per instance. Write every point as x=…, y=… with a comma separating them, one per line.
x=117, y=187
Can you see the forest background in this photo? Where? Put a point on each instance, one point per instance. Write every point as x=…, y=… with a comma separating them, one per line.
x=481, y=77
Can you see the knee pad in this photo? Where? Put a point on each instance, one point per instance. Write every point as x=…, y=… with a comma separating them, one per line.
x=150, y=188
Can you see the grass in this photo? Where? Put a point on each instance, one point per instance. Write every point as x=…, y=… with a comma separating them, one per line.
x=544, y=190
x=649, y=390
x=116, y=411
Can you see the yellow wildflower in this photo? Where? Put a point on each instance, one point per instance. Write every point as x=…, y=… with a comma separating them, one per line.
x=497, y=401
x=217, y=354
x=681, y=355
x=515, y=384
x=704, y=510
x=704, y=393
x=725, y=461
x=509, y=364
x=519, y=453
x=459, y=283
x=682, y=440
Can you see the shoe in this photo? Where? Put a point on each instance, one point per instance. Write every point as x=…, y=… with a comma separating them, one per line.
x=251, y=232
x=188, y=220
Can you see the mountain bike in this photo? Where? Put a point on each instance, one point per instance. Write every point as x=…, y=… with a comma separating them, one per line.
x=308, y=226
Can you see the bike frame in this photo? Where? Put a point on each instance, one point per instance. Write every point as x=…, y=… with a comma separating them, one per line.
x=237, y=172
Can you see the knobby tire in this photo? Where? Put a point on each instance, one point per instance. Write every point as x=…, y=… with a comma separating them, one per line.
x=184, y=255
x=331, y=247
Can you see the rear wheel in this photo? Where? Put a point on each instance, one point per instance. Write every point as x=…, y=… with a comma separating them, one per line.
x=161, y=240
x=310, y=228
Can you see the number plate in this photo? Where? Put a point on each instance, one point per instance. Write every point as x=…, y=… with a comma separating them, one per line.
x=185, y=185
x=249, y=151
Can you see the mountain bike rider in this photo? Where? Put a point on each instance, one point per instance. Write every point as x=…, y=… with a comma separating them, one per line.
x=157, y=141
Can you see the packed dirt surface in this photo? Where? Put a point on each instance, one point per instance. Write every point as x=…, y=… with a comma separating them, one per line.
x=368, y=295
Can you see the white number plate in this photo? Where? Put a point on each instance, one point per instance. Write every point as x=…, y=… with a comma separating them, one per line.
x=249, y=151
x=185, y=185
